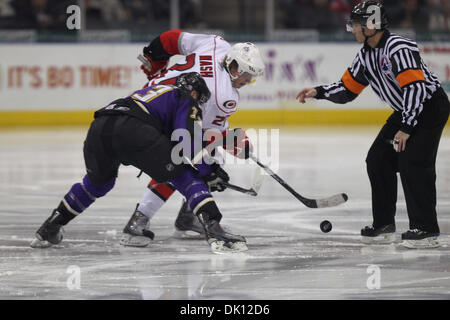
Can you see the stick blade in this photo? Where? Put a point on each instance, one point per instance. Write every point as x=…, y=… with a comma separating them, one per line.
x=250, y=192
x=257, y=179
x=332, y=201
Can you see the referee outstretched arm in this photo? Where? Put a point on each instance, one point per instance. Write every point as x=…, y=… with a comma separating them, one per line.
x=393, y=68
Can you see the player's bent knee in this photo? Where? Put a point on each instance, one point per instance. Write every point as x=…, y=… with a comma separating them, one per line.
x=97, y=190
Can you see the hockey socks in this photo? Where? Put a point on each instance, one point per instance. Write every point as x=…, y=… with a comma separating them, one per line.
x=194, y=190
x=154, y=198
x=82, y=195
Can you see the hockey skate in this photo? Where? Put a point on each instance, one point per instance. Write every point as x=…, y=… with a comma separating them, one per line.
x=50, y=233
x=220, y=240
x=419, y=239
x=381, y=235
x=187, y=225
x=136, y=232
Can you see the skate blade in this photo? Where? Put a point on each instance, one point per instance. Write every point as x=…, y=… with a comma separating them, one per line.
x=421, y=244
x=188, y=234
x=129, y=240
x=386, y=238
x=222, y=247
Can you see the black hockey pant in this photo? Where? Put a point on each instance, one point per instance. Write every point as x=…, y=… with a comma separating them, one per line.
x=121, y=139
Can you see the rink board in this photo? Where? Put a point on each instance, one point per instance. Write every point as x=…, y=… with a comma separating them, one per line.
x=245, y=118
x=79, y=79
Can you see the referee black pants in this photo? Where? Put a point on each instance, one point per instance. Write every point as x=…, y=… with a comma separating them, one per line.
x=416, y=166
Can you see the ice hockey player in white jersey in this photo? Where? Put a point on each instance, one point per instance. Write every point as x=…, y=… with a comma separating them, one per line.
x=225, y=69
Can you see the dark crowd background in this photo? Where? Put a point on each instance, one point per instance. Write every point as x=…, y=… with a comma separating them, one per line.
x=247, y=15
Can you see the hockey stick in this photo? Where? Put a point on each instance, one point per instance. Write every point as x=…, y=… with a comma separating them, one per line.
x=257, y=180
x=250, y=191
x=310, y=203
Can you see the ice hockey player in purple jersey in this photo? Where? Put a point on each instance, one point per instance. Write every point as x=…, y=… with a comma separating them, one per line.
x=137, y=131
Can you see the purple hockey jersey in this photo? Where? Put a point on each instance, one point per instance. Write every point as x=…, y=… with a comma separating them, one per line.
x=174, y=112
x=165, y=104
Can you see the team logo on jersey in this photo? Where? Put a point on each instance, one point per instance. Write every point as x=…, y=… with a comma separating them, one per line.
x=116, y=107
x=230, y=104
x=386, y=66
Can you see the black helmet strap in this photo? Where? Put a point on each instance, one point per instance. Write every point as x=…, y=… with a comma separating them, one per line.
x=366, y=37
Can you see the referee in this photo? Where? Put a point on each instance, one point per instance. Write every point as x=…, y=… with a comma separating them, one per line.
x=409, y=140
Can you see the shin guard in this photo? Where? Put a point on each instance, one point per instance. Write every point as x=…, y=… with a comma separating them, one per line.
x=82, y=195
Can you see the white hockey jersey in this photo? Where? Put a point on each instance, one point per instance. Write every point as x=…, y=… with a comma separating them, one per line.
x=205, y=54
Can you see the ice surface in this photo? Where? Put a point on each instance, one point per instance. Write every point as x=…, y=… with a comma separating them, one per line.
x=288, y=257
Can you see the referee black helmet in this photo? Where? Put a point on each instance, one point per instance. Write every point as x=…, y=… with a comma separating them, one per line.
x=370, y=14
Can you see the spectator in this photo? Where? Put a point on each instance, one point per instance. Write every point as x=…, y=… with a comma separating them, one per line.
x=104, y=13
x=6, y=10
x=311, y=14
x=149, y=14
x=7, y=14
x=343, y=8
x=161, y=9
x=412, y=15
x=297, y=14
x=39, y=14
x=138, y=11
x=440, y=18
x=189, y=16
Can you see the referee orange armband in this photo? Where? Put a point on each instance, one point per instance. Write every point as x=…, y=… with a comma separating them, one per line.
x=351, y=84
x=408, y=76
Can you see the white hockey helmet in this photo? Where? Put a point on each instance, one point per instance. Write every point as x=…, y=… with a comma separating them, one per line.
x=248, y=59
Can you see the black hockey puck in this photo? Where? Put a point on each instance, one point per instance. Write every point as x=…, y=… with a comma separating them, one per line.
x=325, y=226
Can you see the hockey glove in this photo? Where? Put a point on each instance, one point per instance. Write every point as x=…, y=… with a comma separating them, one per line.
x=151, y=67
x=216, y=178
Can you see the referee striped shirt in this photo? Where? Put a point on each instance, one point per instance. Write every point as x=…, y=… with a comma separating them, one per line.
x=395, y=71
